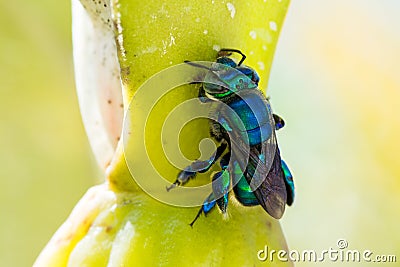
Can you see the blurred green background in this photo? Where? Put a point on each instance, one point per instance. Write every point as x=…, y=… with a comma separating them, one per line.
x=335, y=80
x=46, y=162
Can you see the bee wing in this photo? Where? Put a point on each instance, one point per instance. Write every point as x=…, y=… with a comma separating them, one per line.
x=271, y=193
x=243, y=153
x=264, y=173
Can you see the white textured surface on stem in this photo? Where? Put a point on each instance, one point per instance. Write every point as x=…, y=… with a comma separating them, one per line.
x=97, y=76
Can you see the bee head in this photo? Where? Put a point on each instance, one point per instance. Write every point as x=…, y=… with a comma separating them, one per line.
x=224, y=57
x=227, y=62
x=226, y=76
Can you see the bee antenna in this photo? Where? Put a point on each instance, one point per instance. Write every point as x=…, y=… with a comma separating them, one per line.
x=233, y=51
x=197, y=65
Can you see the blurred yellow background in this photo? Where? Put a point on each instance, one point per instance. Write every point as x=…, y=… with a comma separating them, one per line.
x=46, y=162
x=334, y=80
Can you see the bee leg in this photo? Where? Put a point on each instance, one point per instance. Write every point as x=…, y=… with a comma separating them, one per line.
x=279, y=122
x=220, y=185
x=218, y=132
x=197, y=166
x=288, y=183
x=202, y=96
x=224, y=162
x=207, y=206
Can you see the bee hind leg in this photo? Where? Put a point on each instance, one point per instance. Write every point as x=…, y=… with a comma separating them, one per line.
x=207, y=206
x=220, y=185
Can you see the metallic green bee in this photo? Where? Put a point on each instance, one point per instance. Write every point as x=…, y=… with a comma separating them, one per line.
x=244, y=127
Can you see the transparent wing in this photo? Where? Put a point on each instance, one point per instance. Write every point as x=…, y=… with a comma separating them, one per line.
x=271, y=193
x=263, y=171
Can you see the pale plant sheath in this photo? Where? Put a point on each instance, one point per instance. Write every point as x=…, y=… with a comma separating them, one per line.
x=97, y=76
